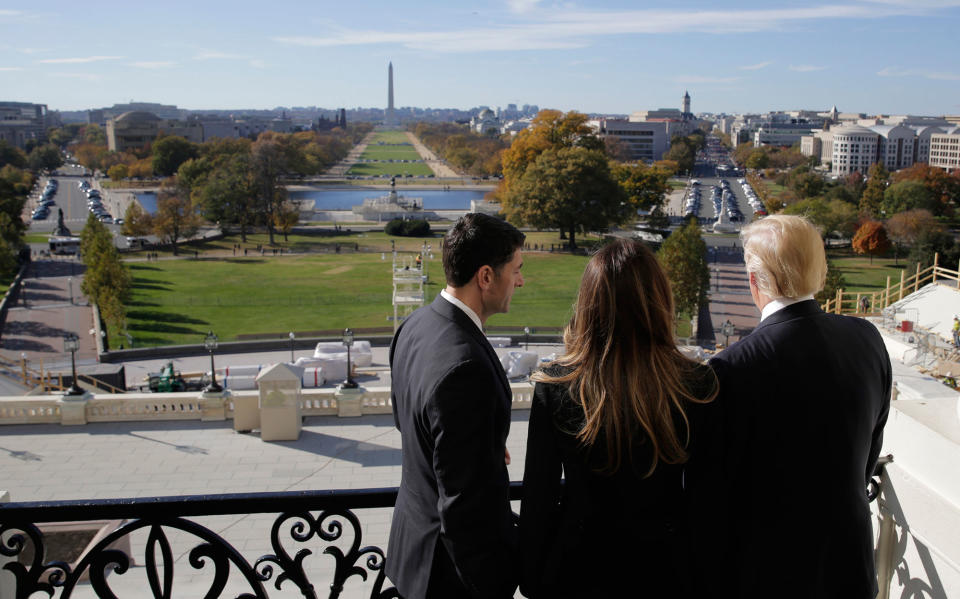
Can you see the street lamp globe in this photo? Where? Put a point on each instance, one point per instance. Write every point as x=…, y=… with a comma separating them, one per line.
x=210, y=344
x=347, y=338
x=71, y=343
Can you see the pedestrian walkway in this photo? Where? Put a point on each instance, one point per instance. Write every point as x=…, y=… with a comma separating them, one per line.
x=50, y=305
x=440, y=168
x=340, y=168
x=730, y=297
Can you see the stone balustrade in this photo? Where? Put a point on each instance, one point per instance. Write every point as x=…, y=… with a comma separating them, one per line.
x=56, y=409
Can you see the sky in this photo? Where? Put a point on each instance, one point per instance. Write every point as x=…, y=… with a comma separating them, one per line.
x=605, y=56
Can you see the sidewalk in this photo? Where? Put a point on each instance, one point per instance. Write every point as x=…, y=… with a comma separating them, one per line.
x=50, y=306
x=730, y=297
x=440, y=169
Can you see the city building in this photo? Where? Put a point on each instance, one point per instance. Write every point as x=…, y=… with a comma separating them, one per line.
x=643, y=140
x=23, y=122
x=646, y=134
x=945, y=149
x=135, y=130
x=485, y=123
x=896, y=142
x=100, y=116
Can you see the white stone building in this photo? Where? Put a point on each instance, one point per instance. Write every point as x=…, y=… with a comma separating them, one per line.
x=945, y=149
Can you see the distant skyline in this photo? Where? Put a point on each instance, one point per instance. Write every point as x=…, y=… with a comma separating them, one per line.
x=878, y=56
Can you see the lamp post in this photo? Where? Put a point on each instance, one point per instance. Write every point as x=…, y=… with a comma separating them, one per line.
x=526, y=338
x=727, y=329
x=210, y=343
x=292, y=338
x=348, y=383
x=70, y=288
x=71, y=343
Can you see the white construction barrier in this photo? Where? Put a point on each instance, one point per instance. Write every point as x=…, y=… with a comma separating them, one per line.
x=252, y=370
x=519, y=363
x=312, y=377
x=334, y=369
x=360, y=352
x=499, y=341
x=240, y=382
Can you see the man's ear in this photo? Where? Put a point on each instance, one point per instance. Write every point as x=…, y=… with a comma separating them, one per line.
x=485, y=276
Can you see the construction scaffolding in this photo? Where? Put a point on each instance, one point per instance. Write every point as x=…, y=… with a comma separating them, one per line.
x=409, y=277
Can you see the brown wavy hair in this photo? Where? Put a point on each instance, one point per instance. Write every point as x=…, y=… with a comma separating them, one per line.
x=621, y=360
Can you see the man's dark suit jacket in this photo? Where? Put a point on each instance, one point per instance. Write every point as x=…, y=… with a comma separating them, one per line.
x=452, y=533
x=805, y=397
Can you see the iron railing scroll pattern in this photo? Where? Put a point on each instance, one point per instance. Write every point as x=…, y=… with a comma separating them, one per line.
x=296, y=522
x=334, y=522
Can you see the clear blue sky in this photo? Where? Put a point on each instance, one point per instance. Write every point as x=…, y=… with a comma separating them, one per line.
x=608, y=56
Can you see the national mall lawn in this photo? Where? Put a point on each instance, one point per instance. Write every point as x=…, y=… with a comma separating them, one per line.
x=314, y=288
x=176, y=301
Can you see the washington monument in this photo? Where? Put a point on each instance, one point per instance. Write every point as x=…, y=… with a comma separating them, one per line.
x=391, y=117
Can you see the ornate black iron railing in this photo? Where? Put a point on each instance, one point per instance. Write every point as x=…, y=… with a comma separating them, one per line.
x=326, y=516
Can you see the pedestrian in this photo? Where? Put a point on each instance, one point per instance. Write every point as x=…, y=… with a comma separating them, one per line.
x=956, y=331
x=452, y=533
x=774, y=386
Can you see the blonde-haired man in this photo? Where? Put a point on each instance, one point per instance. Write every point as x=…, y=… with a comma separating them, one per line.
x=805, y=398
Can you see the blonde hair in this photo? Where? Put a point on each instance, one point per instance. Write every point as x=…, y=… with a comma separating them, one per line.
x=625, y=370
x=786, y=255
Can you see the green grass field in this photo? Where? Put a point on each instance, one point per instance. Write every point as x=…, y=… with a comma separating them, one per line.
x=36, y=238
x=860, y=275
x=390, y=137
x=390, y=153
x=390, y=168
x=178, y=301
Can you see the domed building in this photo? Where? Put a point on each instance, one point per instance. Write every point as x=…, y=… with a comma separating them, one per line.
x=485, y=123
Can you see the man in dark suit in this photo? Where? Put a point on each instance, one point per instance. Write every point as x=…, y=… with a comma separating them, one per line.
x=805, y=397
x=452, y=534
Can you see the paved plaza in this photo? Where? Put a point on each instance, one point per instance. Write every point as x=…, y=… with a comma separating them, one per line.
x=143, y=459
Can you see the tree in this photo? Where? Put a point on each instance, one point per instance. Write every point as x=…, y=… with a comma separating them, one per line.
x=877, y=180
x=550, y=129
x=683, y=151
x=118, y=171
x=571, y=188
x=45, y=157
x=170, y=152
x=658, y=219
x=871, y=238
x=616, y=148
x=935, y=241
x=93, y=134
x=757, y=159
x=684, y=258
x=833, y=216
x=833, y=282
x=907, y=195
x=136, y=222
x=906, y=227
x=268, y=160
x=106, y=280
x=227, y=194
x=805, y=183
x=286, y=218
x=645, y=187
x=12, y=155
x=944, y=188
x=176, y=217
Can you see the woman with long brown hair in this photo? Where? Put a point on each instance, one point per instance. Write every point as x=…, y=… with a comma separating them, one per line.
x=622, y=414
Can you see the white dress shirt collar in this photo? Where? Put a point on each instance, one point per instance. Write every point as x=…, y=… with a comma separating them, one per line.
x=780, y=303
x=466, y=309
